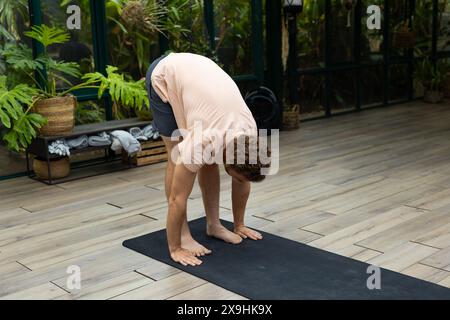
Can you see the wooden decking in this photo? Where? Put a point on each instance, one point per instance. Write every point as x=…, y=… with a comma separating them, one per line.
x=374, y=186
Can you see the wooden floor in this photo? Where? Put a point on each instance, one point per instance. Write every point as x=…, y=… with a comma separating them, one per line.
x=374, y=186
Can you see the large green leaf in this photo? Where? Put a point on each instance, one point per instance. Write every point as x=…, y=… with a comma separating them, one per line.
x=20, y=57
x=48, y=35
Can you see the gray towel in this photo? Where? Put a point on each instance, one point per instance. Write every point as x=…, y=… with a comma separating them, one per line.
x=103, y=139
x=125, y=140
x=138, y=134
x=78, y=143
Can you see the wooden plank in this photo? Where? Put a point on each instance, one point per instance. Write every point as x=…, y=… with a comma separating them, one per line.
x=366, y=255
x=427, y=273
x=46, y=291
x=438, y=237
x=164, y=288
x=11, y=269
x=153, y=151
x=440, y=259
x=445, y=282
x=402, y=256
x=407, y=231
x=156, y=270
x=368, y=211
x=111, y=287
x=343, y=238
x=206, y=291
x=90, y=240
x=151, y=160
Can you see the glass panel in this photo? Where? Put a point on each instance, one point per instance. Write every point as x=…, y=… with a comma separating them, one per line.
x=444, y=25
x=342, y=27
x=79, y=49
x=90, y=112
x=312, y=97
x=371, y=86
x=311, y=34
x=398, y=17
x=186, y=28
x=14, y=20
x=423, y=24
x=398, y=82
x=343, y=91
x=233, y=28
x=133, y=40
x=371, y=40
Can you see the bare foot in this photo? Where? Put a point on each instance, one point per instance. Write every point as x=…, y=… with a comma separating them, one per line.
x=193, y=246
x=220, y=232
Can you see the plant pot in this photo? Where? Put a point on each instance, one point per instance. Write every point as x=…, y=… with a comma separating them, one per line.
x=291, y=119
x=404, y=40
x=433, y=96
x=59, y=168
x=60, y=113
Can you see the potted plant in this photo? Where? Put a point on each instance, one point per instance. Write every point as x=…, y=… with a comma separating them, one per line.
x=57, y=107
x=15, y=115
x=26, y=109
x=433, y=79
x=291, y=118
x=404, y=37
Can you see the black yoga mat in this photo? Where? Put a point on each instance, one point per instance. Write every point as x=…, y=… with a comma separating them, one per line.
x=277, y=268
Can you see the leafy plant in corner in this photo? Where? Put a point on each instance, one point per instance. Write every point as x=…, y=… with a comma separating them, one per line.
x=15, y=115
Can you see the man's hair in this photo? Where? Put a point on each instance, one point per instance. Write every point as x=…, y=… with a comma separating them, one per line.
x=245, y=152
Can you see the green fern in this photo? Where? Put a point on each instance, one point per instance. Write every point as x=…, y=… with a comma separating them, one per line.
x=128, y=93
x=47, y=35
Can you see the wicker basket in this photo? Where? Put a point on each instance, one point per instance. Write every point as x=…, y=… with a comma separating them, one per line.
x=59, y=168
x=60, y=113
x=291, y=119
x=404, y=38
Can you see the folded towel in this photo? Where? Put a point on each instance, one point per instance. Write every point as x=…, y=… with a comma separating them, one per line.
x=79, y=142
x=149, y=131
x=125, y=140
x=103, y=139
x=59, y=147
x=138, y=134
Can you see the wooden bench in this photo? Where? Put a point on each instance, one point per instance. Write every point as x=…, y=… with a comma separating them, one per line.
x=39, y=148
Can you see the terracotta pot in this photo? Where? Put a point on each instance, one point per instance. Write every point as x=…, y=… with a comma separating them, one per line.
x=60, y=113
x=59, y=168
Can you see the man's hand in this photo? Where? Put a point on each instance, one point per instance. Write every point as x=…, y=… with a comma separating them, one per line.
x=245, y=233
x=185, y=257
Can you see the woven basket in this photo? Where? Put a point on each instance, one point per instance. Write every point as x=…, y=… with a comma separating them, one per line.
x=60, y=113
x=291, y=119
x=59, y=168
x=404, y=39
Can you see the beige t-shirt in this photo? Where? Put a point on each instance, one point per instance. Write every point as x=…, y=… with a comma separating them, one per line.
x=202, y=95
